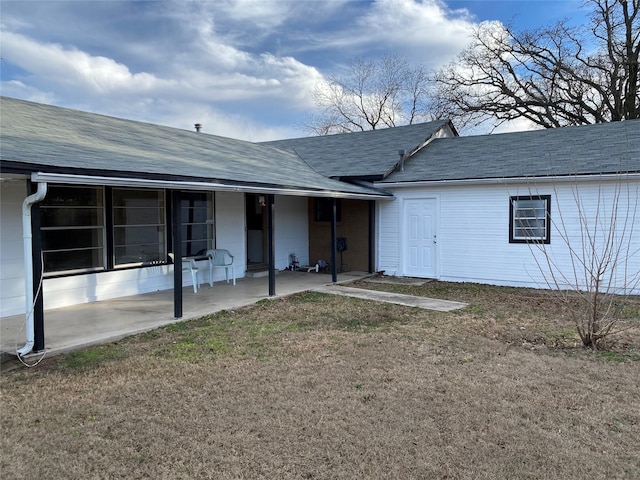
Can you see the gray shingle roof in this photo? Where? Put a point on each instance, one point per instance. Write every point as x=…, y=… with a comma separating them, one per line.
x=592, y=149
x=371, y=153
x=40, y=136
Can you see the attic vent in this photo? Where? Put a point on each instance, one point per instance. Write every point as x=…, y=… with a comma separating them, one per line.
x=198, y=127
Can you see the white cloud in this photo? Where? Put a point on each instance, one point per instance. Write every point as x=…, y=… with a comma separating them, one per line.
x=425, y=31
x=204, y=67
x=517, y=125
x=73, y=67
x=261, y=14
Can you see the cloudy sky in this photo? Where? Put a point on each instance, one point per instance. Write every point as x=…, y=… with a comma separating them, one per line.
x=243, y=68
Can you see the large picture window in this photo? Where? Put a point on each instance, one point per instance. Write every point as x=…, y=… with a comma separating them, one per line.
x=529, y=219
x=197, y=223
x=72, y=228
x=139, y=234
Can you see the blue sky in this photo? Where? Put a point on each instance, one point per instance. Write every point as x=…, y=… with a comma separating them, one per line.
x=243, y=68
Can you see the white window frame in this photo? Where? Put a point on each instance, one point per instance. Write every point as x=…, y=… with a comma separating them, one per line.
x=526, y=218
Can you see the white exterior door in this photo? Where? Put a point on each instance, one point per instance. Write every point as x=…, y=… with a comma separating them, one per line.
x=420, y=237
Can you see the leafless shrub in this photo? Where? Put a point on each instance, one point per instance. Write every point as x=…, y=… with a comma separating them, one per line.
x=596, y=270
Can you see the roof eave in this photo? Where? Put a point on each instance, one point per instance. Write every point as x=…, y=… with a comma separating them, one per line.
x=77, y=179
x=518, y=180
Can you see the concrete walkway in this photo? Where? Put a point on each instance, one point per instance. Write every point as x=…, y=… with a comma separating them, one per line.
x=397, y=298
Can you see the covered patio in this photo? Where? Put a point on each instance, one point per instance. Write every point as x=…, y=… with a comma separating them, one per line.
x=86, y=324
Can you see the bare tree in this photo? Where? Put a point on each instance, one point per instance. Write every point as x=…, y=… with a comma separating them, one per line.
x=553, y=76
x=372, y=95
x=595, y=269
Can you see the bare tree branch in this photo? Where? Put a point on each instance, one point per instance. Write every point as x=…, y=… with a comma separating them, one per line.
x=372, y=95
x=553, y=76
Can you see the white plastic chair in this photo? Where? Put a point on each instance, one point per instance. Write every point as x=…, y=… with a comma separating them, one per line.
x=221, y=258
x=189, y=265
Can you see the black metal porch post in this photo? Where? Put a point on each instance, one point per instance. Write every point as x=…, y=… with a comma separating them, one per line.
x=271, y=245
x=372, y=235
x=36, y=255
x=334, y=242
x=176, y=234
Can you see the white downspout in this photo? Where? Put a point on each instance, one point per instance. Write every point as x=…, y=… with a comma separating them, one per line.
x=27, y=236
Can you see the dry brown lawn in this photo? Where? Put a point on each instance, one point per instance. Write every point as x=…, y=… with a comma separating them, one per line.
x=319, y=386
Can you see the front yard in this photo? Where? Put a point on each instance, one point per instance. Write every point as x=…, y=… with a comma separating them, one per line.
x=320, y=386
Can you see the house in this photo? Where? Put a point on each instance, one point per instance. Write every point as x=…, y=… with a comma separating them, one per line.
x=498, y=208
x=93, y=207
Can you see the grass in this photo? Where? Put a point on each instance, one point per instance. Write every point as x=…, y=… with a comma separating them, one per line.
x=90, y=358
x=320, y=386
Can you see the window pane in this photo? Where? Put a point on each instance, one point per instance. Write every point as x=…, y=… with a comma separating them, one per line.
x=138, y=215
x=71, y=216
x=137, y=254
x=194, y=248
x=137, y=198
x=67, y=239
x=197, y=223
x=74, y=260
x=139, y=233
x=194, y=232
x=72, y=221
x=73, y=196
x=194, y=215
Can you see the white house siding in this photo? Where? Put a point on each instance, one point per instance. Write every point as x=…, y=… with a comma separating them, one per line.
x=76, y=289
x=291, y=230
x=12, y=193
x=473, y=237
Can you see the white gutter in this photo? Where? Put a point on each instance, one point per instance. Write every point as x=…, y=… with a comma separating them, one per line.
x=515, y=180
x=72, y=179
x=27, y=236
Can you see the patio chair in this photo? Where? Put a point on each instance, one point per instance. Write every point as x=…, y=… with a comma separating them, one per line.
x=220, y=257
x=189, y=265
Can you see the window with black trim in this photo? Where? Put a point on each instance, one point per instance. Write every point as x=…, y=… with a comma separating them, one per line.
x=139, y=232
x=324, y=210
x=86, y=229
x=197, y=223
x=72, y=229
x=529, y=218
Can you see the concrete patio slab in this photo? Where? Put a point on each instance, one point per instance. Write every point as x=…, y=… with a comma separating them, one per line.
x=92, y=323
